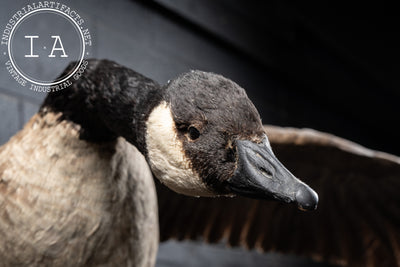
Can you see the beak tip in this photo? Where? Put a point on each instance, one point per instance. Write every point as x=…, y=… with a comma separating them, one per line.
x=306, y=198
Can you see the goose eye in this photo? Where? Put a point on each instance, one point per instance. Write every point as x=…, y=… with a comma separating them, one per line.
x=193, y=133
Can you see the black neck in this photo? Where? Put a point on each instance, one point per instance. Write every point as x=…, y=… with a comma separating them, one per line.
x=108, y=101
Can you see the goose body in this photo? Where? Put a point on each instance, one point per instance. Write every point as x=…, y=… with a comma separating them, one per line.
x=77, y=187
x=74, y=191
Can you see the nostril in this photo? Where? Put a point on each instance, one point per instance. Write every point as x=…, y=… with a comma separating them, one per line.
x=306, y=198
x=266, y=172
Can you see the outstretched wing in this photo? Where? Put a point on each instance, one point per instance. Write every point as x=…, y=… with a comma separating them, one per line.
x=357, y=222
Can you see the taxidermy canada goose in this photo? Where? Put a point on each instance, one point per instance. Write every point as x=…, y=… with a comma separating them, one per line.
x=76, y=184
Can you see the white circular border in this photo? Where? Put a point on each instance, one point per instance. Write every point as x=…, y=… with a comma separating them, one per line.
x=78, y=65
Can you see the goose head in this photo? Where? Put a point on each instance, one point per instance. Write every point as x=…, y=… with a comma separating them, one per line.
x=205, y=138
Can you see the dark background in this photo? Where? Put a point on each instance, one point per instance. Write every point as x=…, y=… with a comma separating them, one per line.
x=328, y=66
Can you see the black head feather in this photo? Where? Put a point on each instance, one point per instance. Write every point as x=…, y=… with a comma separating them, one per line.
x=221, y=112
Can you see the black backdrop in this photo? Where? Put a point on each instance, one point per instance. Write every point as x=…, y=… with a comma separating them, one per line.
x=335, y=64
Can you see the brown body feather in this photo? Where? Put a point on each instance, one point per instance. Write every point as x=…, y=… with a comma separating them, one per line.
x=68, y=202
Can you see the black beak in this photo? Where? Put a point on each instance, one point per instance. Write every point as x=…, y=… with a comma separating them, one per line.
x=259, y=174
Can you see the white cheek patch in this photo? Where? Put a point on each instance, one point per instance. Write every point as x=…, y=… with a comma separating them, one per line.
x=167, y=158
